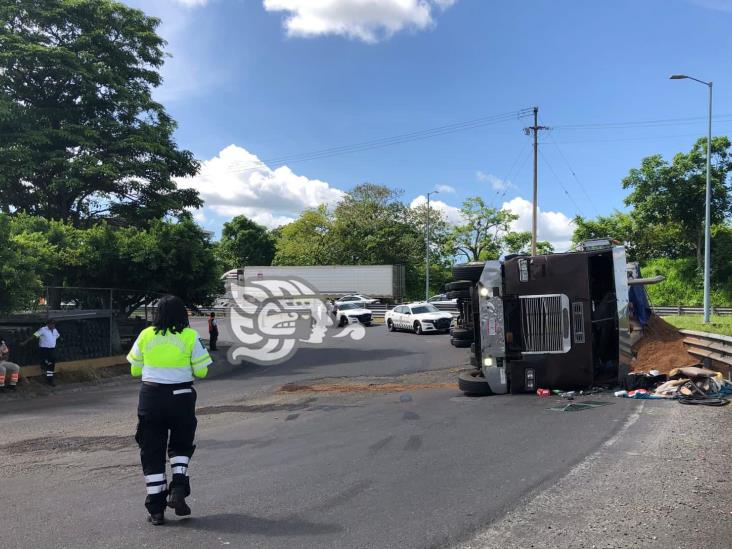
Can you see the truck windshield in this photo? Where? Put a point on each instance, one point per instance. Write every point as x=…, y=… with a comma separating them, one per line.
x=425, y=309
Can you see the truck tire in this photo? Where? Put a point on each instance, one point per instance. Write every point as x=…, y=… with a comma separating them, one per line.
x=472, y=382
x=458, y=294
x=462, y=333
x=459, y=285
x=460, y=343
x=468, y=271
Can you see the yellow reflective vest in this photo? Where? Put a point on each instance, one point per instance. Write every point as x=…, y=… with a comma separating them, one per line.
x=169, y=357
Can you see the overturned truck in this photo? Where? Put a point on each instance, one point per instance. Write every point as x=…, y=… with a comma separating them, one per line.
x=558, y=321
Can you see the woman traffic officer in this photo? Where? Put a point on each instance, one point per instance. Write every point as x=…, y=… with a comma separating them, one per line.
x=168, y=356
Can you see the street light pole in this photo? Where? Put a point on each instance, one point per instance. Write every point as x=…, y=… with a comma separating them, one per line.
x=427, y=249
x=708, y=203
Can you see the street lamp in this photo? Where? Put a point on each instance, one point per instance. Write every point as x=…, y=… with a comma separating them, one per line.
x=427, y=249
x=708, y=207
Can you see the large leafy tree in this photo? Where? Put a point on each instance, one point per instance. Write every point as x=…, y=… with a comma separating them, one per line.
x=165, y=257
x=481, y=236
x=520, y=243
x=642, y=241
x=80, y=135
x=673, y=194
x=308, y=240
x=20, y=283
x=244, y=242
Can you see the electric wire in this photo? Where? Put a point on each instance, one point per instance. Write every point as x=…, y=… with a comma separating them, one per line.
x=382, y=142
x=574, y=175
x=578, y=210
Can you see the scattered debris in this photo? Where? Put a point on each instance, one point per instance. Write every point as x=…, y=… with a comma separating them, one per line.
x=362, y=387
x=577, y=406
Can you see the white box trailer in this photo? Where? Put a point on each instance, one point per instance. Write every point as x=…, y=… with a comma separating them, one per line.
x=379, y=281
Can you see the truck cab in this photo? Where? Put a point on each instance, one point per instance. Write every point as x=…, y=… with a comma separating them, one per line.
x=555, y=321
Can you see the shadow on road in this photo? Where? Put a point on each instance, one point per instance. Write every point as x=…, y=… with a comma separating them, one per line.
x=240, y=523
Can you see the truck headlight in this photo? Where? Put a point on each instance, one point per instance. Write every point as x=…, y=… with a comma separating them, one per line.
x=484, y=292
x=488, y=361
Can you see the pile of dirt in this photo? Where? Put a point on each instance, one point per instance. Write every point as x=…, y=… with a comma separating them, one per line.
x=661, y=348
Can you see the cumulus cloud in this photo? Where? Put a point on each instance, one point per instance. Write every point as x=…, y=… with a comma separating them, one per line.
x=367, y=20
x=236, y=182
x=555, y=227
x=446, y=189
x=496, y=183
x=451, y=213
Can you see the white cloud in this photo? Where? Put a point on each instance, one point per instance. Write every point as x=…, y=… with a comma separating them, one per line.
x=451, y=213
x=496, y=183
x=367, y=20
x=446, y=189
x=555, y=227
x=235, y=182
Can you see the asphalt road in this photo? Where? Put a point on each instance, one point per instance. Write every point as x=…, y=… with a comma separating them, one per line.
x=425, y=468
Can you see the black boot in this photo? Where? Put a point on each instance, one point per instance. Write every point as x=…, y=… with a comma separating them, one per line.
x=158, y=519
x=177, y=493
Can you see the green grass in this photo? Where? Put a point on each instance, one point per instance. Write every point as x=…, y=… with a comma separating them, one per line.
x=718, y=325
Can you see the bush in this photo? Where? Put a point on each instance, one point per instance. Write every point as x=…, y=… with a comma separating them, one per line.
x=684, y=284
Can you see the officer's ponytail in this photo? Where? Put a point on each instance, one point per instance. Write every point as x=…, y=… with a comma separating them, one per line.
x=171, y=314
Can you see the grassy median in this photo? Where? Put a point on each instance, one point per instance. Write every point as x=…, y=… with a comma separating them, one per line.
x=718, y=324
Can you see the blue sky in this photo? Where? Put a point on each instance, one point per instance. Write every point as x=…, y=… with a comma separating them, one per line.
x=253, y=80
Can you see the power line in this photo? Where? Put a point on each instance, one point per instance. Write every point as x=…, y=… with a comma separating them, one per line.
x=569, y=166
x=382, y=142
x=641, y=123
x=546, y=161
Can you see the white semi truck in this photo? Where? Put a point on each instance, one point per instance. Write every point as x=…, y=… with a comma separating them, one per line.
x=385, y=282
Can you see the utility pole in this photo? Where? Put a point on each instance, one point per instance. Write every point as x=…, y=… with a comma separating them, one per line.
x=535, y=130
x=427, y=250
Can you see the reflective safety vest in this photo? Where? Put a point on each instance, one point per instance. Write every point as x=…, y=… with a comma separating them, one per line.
x=169, y=357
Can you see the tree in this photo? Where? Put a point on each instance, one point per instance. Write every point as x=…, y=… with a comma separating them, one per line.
x=520, y=243
x=642, y=241
x=481, y=236
x=663, y=193
x=80, y=136
x=166, y=257
x=308, y=240
x=244, y=242
x=20, y=285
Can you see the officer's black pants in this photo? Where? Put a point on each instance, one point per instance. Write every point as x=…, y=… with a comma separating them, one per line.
x=167, y=421
x=48, y=360
x=213, y=337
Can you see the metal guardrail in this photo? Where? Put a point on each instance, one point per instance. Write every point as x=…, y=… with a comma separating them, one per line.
x=379, y=310
x=679, y=310
x=705, y=345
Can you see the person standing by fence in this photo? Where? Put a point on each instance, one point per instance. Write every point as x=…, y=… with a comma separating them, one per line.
x=213, y=331
x=167, y=355
x=47, y=336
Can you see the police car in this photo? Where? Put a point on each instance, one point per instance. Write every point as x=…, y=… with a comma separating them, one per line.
x=420, y=317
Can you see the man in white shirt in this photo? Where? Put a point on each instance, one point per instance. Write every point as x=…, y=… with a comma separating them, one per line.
x=47, y=336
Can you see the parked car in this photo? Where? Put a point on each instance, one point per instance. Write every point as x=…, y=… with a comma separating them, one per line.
x=442, y=299
x=419, y=317
x=352, y=313
x=355, y=298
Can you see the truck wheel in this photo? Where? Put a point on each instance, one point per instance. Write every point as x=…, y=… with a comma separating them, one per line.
x=468, y=271
x=462, y=333
x=460, y=343
x=472, y=382
x=459, y=285
x=390, y=326
x=418, y=329
x=458, y=294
